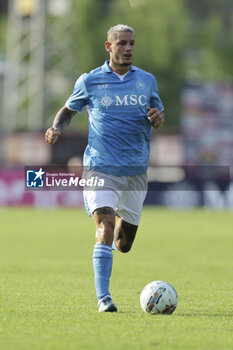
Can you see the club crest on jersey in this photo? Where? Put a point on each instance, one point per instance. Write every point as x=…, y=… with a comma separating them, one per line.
x=126, y=100
x=140, y=85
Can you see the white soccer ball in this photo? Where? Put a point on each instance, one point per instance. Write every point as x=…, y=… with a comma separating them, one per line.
x=159, y=297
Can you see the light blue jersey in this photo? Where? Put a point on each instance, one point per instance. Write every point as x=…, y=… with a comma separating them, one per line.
x=119, y=131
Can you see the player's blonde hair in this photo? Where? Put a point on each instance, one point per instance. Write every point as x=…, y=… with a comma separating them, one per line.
x=113, y=31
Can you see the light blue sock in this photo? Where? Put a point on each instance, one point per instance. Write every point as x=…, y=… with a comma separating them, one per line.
x=102, y=264
x=114, y=247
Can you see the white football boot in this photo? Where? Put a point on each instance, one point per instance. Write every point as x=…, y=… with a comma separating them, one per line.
x=106, y=305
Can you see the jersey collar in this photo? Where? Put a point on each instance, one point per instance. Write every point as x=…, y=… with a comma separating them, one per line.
x=106, y=68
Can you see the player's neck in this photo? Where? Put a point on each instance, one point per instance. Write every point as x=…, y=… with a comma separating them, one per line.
x=118, y=68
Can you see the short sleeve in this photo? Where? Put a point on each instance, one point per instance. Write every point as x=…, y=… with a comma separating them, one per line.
x=79, y=98
x=155, y=101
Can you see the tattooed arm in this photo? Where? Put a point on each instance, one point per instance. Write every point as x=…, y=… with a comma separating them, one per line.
x=61, y=120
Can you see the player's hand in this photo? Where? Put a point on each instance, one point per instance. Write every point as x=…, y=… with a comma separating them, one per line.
x=155, y=116
x=52, y=135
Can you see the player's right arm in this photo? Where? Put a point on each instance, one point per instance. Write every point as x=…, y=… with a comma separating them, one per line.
x=61, y=120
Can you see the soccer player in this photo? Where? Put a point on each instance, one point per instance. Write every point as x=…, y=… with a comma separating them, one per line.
x=123, y=103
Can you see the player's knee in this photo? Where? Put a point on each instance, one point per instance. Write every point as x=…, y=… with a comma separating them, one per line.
x=105, y=221
x=108, y=227
x=124, y=247
x=105, y=228
x=127, y=236
x=104, y=232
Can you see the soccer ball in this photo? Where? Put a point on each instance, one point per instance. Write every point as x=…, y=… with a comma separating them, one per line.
x=158, y=297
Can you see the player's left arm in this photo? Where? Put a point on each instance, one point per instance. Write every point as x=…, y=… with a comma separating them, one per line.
x=155, y=109
x=155, y=116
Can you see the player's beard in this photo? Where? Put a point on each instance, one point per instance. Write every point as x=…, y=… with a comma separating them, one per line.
x=121, y=62
x=125, y=64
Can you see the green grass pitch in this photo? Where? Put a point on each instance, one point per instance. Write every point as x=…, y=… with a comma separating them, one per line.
x=47, y=297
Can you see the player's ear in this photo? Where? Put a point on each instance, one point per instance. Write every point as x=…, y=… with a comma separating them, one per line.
x=107, y=46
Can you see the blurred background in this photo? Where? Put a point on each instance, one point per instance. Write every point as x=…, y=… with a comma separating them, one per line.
x=188, y=45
